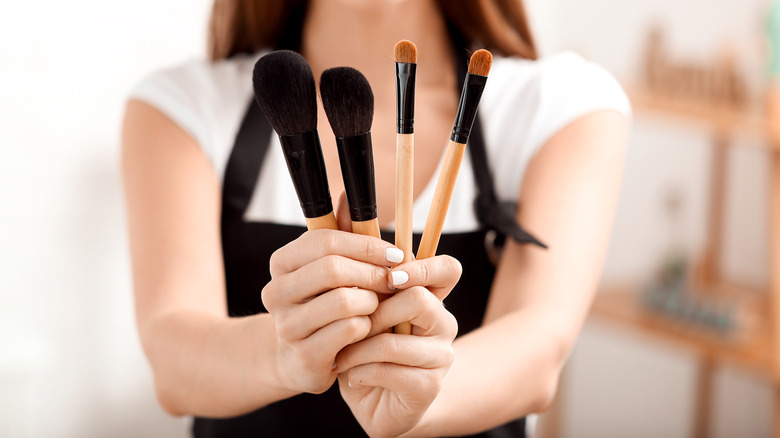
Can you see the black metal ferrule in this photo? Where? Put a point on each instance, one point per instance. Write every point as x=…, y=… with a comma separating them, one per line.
x=473, y=86
x=357, y=168
x=303, y=154
x=405, y=74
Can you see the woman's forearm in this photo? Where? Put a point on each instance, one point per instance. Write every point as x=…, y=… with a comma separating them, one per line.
x=213, y=366
x=502, y=371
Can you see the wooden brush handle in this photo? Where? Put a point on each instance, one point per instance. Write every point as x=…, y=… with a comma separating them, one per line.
x=327, y=222
x=404, y=193
x=367, y=228
x=441, y=200
x=404, y=200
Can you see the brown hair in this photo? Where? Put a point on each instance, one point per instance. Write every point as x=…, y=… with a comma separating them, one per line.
x=247, y=26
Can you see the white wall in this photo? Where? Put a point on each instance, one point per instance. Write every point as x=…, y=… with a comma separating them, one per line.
x=623, y=384
x=70, y=361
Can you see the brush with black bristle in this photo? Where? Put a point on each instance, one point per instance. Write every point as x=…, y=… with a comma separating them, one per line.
x=349, y=105
x=284, y=89
x=474, y=84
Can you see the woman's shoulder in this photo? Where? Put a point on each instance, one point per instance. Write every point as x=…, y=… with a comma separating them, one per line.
x=527, y=101
x=564, y=79
x=206, y=99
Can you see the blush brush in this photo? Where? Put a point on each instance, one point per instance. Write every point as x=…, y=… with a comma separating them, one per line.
x=349, y=105
x=474, y=84
x=284, y=88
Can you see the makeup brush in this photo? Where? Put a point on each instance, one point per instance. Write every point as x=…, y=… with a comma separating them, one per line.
x=474, y=84
x=284, y=89
x=349, y=105
x=405, y=74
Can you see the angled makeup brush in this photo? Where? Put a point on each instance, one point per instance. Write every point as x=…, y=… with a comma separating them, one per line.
x=405, y=76
x=349, y=105
x=284, y=89
x=474, y=84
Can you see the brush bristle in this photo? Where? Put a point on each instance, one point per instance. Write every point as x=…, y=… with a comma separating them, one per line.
x=406, y=51
x=285, y=90
x=348, y=101
x=480, y=62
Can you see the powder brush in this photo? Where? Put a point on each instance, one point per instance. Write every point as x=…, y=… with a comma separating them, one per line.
x=284, y=88
x=349, y=106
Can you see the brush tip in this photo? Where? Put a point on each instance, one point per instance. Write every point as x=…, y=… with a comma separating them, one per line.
x=348, y=101
x=284, y=88
x=480, y=62
x=405, y=51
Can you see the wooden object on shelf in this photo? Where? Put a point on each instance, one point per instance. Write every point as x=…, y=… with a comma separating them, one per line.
x=717, y=82
x=755, y=346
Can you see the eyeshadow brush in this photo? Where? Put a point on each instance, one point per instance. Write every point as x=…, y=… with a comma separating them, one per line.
x=474, y=84
x=405, y=54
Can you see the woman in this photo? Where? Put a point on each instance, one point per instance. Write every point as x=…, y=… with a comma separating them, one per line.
x=205, y=217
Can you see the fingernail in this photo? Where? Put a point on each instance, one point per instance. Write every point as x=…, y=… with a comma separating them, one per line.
x=394, y=255
x=334, y=366
x=399, y=277
x=349, y=383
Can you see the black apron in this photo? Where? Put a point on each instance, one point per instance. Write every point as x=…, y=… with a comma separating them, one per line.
x=247, y=248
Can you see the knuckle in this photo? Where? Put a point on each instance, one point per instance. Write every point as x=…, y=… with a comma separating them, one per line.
x=327, y=241
x=358, y=327
x=448, y=355
x=331, y=268
x=269, y=296
x=344, y=302
x=454, y=266
x=425, y=273
x=275, y=264
x=368, y=249
x=419, y=295
x=451, y=324
x=305, y=356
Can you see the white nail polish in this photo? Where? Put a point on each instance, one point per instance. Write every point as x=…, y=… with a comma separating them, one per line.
x=394, y=255
x=399, y=277
x=349, y=383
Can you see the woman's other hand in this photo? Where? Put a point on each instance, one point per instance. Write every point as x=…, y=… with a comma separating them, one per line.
x=324, y=287
x=390, y=380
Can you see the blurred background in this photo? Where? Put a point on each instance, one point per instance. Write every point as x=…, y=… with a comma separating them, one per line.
x=680, y=340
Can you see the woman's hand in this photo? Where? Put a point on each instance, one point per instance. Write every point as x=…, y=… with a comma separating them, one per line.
x=322, y=290
x=390, y=380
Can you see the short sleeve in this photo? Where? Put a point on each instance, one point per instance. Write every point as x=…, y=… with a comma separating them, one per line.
x=206, y=100
x=571, y=87
x=527, y=102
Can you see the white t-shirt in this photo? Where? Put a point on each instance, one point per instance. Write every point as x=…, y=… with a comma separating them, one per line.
x=523, y=105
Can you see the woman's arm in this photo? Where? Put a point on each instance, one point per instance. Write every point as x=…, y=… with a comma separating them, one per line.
x=205, y=363
x=509, y=367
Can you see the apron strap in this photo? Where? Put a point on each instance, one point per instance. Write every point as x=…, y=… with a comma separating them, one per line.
x=243, y=167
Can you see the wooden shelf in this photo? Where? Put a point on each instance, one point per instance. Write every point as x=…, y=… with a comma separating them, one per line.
x=751, y=121
x=748, y=347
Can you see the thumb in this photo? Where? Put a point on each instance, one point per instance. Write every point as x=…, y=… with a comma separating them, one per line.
x=343, y=218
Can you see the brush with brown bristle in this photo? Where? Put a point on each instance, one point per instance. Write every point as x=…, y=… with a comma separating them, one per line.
x=284, y=89
x=405, y=75
x=474, y=84
x=349, y=105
